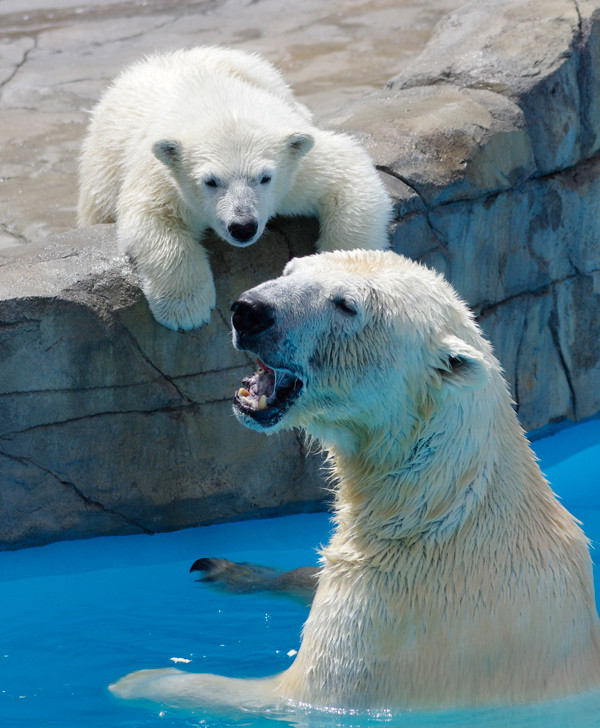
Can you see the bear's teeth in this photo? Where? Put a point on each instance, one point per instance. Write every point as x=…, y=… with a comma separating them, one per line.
x=246, y=397
x=262, y=402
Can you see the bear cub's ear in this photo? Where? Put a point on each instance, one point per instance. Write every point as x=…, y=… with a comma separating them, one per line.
x=169, y=152
x=300, y=143
x=461, y=365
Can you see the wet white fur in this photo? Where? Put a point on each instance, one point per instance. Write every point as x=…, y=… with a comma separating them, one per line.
x=172, y=122
x=454, y=577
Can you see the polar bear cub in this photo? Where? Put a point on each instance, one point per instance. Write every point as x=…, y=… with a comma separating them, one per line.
x=213, y=138
x=454, y=577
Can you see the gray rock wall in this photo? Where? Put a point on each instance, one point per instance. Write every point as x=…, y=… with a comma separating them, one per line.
x=490, y=144
x=110, y=423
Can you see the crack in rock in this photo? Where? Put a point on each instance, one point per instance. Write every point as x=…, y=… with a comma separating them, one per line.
x=169, y=381
x=20, y=63
x=553, y=325
x=104, y=387
x=8, y=436
x=486, y=309
x=142, y=33
x=69, y=485
x=516, y=377
x=392, y=173
x=437, y=234
x=19, y=238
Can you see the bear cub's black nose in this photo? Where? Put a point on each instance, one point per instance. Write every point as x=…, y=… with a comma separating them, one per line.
x=251, y=316
x=243, y=231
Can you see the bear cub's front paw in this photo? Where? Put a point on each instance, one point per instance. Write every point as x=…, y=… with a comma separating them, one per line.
x=183, y=311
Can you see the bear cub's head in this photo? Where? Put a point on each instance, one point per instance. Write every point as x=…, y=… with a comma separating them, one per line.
x=235, y=184
x=354, y=339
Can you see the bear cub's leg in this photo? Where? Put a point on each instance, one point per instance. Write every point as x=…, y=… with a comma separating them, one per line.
x=174, y=269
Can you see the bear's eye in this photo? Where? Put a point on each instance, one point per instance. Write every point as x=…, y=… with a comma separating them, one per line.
x=265, y=179
x=342, y=304
x=211, y=182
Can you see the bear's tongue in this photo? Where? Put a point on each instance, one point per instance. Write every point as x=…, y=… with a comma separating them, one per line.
x=266, y=388
x=259, y=388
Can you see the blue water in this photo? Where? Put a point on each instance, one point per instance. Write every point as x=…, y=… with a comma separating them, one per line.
x=75, y=616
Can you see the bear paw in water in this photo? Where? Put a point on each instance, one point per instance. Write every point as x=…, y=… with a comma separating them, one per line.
x=244, y=578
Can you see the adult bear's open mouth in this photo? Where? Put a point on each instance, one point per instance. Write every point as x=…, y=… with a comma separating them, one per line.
x=267, y=395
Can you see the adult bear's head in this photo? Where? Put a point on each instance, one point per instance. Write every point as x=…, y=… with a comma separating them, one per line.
x=353, y=341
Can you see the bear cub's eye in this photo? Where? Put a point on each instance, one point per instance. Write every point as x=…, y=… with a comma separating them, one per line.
x=344, y=305
x=211, y=182
x=265, y=179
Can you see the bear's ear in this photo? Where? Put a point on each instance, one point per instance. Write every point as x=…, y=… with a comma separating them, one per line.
x=169, y=152
x=461, y=365
x=299, y=143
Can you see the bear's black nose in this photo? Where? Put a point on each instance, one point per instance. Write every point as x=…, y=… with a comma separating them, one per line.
x=251, y=316
x=243, y=231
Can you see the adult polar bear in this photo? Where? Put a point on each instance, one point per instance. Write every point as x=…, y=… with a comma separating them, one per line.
x=213, y=138
x=454, y=576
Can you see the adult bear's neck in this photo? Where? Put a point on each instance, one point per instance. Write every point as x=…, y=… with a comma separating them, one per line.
x=426, y=482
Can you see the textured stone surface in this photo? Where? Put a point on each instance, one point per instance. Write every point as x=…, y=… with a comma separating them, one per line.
x=444, y=142
x=529, y=52
x=111, y=423
x=491, y=137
